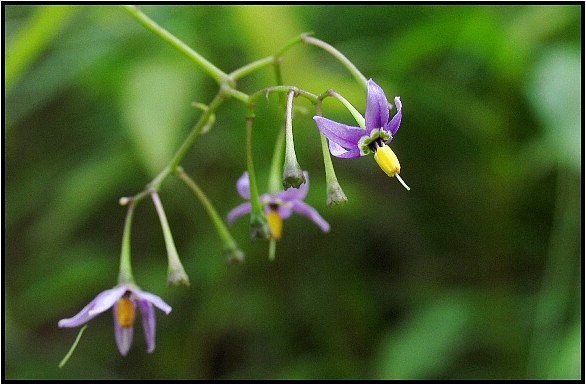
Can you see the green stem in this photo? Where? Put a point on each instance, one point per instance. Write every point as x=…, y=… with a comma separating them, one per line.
x=187, y=143
x=254, y=196
x=357, y=115
x=72, y=349
x=217, y=74
x=125, y=272
x=314, y=99
x=227, y=239
x=176, y=273
x=250, y=68
x=292, y=173
x=275, y=185
x=335, y=195
x=244, y=98
x=258, y=224
x=338, y=55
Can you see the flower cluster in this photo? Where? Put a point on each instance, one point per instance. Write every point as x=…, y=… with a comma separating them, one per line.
x=267, y=211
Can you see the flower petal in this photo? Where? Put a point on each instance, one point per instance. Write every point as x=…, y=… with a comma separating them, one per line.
x=108, y=299
x=123, y=335
x=293, y=193
x=311, y=213
x=239, y=211
x=377, y=106
x=243, y=186
x=340, y=152
x=153, y=299
x=393, y=125
x=147, y=312
x=89, y=312
x=345, y=136
x=285, y=211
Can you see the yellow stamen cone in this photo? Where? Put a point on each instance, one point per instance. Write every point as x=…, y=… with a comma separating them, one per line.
x=275, y=224
x=389, y=163
x=125, y=312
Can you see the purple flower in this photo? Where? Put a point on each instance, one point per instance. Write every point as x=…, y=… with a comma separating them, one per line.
x=278, y=206
x=123, y=299
x=353, y=142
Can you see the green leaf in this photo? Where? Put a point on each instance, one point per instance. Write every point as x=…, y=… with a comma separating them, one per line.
x=427, y=341
x=156, y=102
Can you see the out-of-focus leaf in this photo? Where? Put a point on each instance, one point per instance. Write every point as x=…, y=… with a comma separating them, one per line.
x=44, y=25
x=567, y=365
x=156, y=100
x=428, y=340
x=81, y=192
x=556, y=96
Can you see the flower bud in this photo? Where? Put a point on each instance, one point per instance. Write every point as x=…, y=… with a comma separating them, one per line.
x=292, y=175
x=233, y=255
x=259, y=227
x=176, y=275
x=335, y=195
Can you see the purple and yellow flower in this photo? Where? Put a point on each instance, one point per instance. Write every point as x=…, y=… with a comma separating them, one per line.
x=279, y=206
x=123, y=299
x=353, y=142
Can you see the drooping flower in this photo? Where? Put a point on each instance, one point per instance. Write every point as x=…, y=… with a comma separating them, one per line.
x=279, y=206
x=353, y=142
x=123, y=299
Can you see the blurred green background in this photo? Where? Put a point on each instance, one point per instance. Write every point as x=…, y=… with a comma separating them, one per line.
x=473, y=274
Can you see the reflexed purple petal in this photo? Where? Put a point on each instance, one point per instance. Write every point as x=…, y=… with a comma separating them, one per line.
x=265, y=199
x=92, y=309
x=285, y=211
x=123, y=335
x=153, y=299
x=340, y=152
x=239, y=211
x=293, y=193
x=345, y=136
x=393, y=125
x=377, y=106
x=147, y=312
x=81, y=317
x=107, y=299
x=311, y=213
x=243, y=186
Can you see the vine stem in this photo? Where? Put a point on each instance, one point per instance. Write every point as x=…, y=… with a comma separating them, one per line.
x=338, y=55
x=125, y=272
x=219, y=76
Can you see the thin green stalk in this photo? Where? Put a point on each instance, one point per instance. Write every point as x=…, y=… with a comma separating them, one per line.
x=176, y=273
x=338, y=55
x=335, y=196
x=217, y=74
x=275, y=185
x=292, y=42
x=188, y=142
x=72, y=349
x=125, y=272
x=272, y=249
x=357, y=115
x=314, y=99
x=231, y=249
x=292, y=173
x=259, y=227
x=239, y=95
x=250, y=68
